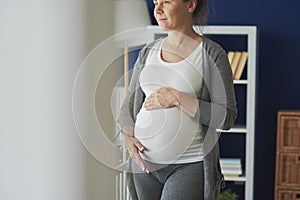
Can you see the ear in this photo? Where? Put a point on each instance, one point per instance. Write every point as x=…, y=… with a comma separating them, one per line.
x=192, y=4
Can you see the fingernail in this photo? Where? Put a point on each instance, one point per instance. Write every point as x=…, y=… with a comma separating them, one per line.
x=147, y=171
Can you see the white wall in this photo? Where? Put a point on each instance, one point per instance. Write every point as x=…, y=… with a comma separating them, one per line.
x=42, y=43
x=101, y=180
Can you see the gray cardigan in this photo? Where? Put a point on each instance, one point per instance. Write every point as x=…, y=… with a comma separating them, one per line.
x=217, y=109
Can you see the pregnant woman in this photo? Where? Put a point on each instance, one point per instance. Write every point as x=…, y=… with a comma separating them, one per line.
x=181, y=91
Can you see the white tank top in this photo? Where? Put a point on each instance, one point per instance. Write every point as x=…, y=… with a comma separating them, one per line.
x=170, y=135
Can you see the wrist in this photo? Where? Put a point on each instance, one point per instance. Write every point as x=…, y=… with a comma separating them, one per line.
x=176, y=94
x=186, y=103
x=128, y=130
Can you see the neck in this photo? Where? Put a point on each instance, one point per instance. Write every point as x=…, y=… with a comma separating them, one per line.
x=177, y=38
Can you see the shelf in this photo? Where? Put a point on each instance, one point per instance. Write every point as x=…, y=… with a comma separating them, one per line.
x=240, y=82
x=246, y=86
x=235, y=129
x=229, y=30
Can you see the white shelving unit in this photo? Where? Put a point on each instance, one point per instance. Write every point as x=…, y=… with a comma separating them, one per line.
x=250, y=83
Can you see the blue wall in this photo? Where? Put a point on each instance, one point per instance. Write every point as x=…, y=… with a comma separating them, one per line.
x=278, y=70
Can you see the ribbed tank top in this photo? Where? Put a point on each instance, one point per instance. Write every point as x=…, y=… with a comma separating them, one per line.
x=170, y=135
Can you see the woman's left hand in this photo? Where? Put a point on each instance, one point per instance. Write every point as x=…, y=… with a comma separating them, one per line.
x=162, y=98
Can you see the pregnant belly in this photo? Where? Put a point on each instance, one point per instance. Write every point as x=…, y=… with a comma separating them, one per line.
x=166, y=133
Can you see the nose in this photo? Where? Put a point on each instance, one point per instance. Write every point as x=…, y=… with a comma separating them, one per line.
x=158, y=8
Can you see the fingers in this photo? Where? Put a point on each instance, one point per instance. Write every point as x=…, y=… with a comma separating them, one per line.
x=139, y=161
x=153, y=102
x=139, y=145
x=161, y=98
x=134, y=146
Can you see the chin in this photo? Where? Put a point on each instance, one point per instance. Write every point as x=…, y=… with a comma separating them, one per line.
x=164, y=28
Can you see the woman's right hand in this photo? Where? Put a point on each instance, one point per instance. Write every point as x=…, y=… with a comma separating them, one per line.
x=134, y=146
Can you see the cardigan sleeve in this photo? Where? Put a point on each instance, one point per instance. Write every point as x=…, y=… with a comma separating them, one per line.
x=126, y=117
x=217, y=103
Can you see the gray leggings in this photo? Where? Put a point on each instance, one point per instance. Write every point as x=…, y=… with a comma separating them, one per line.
x=170, y=182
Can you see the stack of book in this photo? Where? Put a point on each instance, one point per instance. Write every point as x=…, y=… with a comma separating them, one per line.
x=237, y=60
x=231, y=167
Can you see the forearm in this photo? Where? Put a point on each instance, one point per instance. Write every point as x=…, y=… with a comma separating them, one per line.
x=216, y=115
x=186, y=103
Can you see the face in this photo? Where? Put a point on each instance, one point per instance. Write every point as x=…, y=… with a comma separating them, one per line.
x=173, y=14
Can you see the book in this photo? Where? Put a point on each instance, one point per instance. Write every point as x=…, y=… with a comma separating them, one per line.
x=230, y=55
x=235, y=61
x=232, y=171
x=230, y=161
x=241, y=65
x=231, y=166
x=231, y=176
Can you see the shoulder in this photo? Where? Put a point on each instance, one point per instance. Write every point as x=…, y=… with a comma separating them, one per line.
x=213, y=49
x=146, y=49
